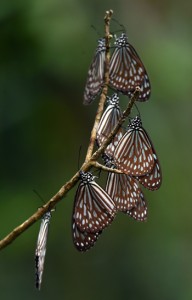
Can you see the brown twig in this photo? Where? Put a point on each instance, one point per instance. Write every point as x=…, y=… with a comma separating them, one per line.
x=85, y=167
x=104, y=168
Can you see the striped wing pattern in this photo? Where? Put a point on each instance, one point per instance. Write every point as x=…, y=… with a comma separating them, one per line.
x=94, y=209
x=41, y=248
x=83, y=241
x=134, y=154
x=108, y=121
x=124, y=190
x=95, y=74
x=127, y=70
x=139, y=213
x=153, y=180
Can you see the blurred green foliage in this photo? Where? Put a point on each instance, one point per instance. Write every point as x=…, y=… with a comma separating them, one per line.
x=45, y=51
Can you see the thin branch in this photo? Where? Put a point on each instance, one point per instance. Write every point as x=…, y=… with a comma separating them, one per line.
x=104, y=168
x=71, y=183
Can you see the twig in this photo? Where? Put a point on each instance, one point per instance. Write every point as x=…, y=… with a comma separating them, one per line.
x=104, y=168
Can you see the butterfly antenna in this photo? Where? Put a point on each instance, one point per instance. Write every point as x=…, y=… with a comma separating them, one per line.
x=137, y=110
x=94, y=28
x=40, y=197
x=97, y=171
x=79, y=155
x=121, y=25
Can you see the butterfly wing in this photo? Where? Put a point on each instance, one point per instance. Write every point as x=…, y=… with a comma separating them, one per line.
x=153, y=180
x=139, y=213
x=127, y=70
x=94, y=209
x=109, y=120
x=83, y=241
x=134, y=153
x=124, y=190
x=95, y=74
x=41, y=248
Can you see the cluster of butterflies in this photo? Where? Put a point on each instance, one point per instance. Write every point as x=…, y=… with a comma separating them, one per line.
x=126, y=71
x=131, y=152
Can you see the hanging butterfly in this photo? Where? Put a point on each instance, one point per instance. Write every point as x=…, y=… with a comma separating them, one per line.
x=108, y=121
x=122, y=188
x=125, y=192
x=127, y=70
x=41, y=248
x=153, y=180
x=135, y=154
x=139, y=213
x=94, y=209
x=83, y=241
x=95, y=74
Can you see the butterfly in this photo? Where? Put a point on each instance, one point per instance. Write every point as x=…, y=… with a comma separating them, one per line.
x=108, y=121
x=135, y=154
x=122, y=188
x=125, y=192
x=94, y=209
x=41, y=248
x=95, y=76
x=127, y=70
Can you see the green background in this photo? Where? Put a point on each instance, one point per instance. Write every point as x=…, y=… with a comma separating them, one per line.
x=45, y=51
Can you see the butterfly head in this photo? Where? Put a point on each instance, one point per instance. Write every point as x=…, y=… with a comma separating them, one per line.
x=101, y=45
x=135, y=123
x=113, y=100
x=86, y=177
x=109, y=162
x=121, y=41
x=47, y=216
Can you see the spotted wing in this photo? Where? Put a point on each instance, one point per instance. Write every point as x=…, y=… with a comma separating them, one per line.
x=124, y=190
x=95, y=74
x=127, y=70
x=94, y=208
x=83, y=241
x=139, y=213
x=134, y=153
x=153, y=180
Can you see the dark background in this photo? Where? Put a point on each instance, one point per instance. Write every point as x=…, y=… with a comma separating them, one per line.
x=45, y=51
